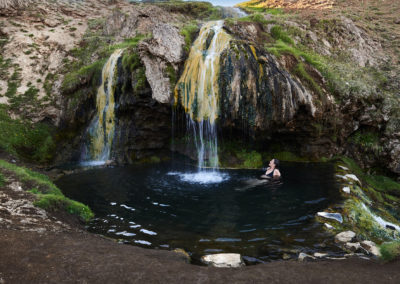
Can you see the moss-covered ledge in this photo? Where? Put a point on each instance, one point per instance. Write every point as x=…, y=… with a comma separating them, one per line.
x=48, y=196
x=370, y=207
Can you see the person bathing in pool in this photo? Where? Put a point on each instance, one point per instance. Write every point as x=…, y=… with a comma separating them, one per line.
x=272, y=170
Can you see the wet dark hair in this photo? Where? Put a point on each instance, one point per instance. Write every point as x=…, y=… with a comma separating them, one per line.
x=276, y=162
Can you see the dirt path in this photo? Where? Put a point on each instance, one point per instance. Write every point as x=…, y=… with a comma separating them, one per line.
x=79, y=257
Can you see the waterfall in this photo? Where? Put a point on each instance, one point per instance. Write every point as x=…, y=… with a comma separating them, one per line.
x=102, y=128
x=197, y=90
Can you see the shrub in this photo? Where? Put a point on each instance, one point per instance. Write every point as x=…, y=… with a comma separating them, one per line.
x=30, y=141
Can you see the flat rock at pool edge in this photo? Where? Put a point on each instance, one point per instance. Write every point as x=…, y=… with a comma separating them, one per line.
x=303, y=256
x=333, y=216
x=223, y=260
x=345, y=237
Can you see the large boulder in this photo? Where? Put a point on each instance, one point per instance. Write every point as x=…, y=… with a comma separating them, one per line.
x=345, y=237
x=223, y=260
x=163, y=50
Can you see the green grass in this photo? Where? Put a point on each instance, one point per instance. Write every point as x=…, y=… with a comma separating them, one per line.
x=2, y=180
x=254, y=18
x=49, y=195
x=390, y=250
x=53, y=202
x=305, y=77
x=24, y=139
x=198, y=10
x=72, y=81
x=279, y=34
x=188, y=32
x=367, y=140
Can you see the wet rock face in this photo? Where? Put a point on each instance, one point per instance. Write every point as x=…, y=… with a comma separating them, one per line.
x=143, y=124
x=258, y=96
x=259, y=91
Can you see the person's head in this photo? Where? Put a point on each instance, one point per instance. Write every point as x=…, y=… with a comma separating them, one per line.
x=274, y=163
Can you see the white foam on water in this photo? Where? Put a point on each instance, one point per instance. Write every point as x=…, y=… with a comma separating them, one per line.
x=142, y=242
x=148, y=232
x=125, y=233
x=93, y=163
x=127, y=207
x=201, y=177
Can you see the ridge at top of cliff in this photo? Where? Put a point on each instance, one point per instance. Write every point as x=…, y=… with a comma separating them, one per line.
x=289, y=4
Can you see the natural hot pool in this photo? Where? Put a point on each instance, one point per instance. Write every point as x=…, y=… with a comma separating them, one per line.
x=163, y=206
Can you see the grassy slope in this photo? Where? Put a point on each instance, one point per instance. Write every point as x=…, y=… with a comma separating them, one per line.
x=49, y=196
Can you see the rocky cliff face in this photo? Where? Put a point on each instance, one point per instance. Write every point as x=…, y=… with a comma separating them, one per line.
x=315, y=87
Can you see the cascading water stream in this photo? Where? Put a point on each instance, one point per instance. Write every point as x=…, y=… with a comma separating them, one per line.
x=102, y=128
x=197, y=91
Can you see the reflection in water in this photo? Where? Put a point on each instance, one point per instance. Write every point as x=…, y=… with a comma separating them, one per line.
x=153, y=206
x=266, y=183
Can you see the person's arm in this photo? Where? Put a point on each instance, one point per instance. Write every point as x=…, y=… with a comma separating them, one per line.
x=277, y=173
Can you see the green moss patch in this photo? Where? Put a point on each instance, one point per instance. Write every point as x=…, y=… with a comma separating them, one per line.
x=378, y=182
x=26, y=140
x=390, y=250
x=2, y=180
x=189, y=32
x=251, y=160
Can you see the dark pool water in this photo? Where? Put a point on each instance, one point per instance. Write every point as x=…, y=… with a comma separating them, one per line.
x=163, y=206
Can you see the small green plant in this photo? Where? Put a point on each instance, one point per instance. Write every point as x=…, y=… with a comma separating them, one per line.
x=390, y=250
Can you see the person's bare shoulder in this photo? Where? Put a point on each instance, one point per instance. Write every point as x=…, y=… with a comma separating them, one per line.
x=277, y=173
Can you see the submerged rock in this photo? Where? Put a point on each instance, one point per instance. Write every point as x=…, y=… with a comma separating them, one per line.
x=223, y=260
x=334, y=216
x=345, y=237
